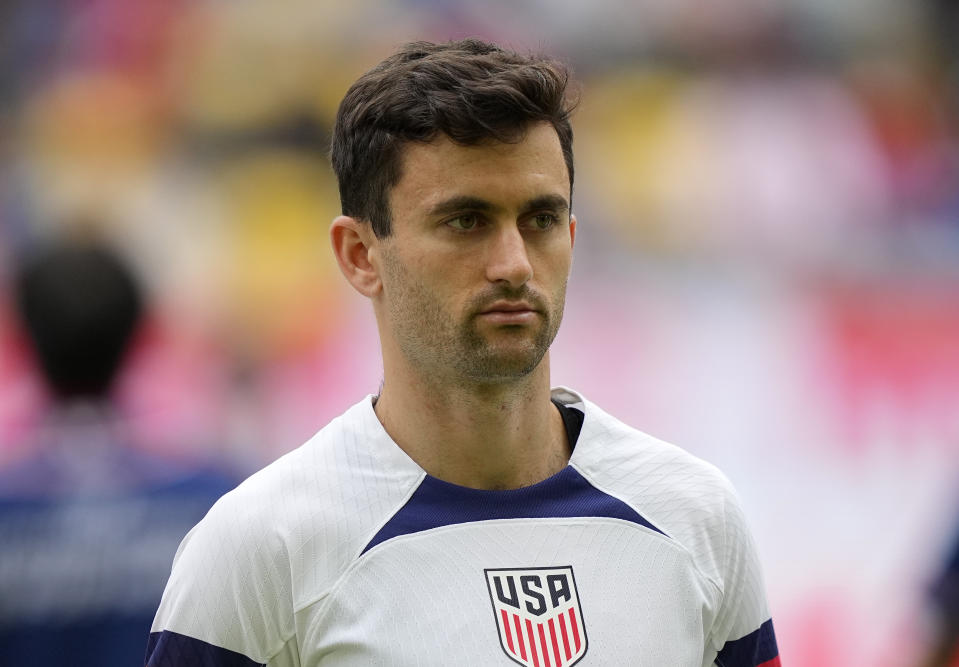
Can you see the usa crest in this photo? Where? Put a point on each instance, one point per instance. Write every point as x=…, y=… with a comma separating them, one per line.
x=538, y=615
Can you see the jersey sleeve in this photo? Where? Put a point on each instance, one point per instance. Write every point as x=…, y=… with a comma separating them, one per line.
x=742, y=634
x=228, y=602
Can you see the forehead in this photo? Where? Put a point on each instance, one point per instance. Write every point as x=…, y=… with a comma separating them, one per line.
x=502, y=173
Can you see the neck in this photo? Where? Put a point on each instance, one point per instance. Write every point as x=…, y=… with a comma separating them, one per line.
x=487, y=436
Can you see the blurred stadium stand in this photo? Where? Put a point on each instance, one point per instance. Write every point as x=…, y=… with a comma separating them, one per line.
x=769, y=206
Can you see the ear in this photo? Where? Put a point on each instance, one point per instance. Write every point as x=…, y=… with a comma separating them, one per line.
x=352, y=243
x=572, y=230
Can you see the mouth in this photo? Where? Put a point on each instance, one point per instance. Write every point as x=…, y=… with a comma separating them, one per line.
x=509, y=313
x=508, y=307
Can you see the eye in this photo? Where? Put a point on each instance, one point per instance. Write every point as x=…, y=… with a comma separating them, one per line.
x=464, y=222
x=543, y=221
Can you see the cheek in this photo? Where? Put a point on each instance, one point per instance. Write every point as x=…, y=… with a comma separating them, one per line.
x=418, y=298
x=556, y=263
x=440, y=282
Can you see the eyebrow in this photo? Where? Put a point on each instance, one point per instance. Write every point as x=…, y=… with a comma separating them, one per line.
x=471, y=203
x=460, y=203
x=548, y=203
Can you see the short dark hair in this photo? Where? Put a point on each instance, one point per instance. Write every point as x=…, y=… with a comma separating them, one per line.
x=81, y=305
x=469, y=90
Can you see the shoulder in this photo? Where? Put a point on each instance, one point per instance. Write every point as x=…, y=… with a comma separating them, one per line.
x=694, y=504
x=281, y=538
x=637, y=463
x=324, y=498
x=688, y=499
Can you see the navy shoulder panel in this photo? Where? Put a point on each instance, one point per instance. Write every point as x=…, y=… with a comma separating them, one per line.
x=567, y=494
x=171, y=649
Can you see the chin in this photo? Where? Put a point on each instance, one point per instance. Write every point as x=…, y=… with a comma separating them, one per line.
x=502, y=368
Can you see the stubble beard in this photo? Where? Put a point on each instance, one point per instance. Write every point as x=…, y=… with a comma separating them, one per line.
x=514, y=354
x=433, y=341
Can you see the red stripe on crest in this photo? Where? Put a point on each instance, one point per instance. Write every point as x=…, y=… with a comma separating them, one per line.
x=572, y=624
x=519, y=637
x=509, y=635
x=771, y=663
x=532, y=643
x=542, y=642
x=552, y=635
x=562, y=629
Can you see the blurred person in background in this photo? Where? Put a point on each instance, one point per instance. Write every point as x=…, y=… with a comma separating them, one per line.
x=88, y=524
x=944, y=650
x=468, y=513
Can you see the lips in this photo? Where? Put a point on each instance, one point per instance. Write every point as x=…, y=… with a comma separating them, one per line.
x=510, y=313
x=508, y=307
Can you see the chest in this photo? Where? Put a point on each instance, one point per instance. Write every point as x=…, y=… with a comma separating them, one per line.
x=536, y=592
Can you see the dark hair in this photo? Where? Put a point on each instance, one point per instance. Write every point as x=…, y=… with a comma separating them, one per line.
x=81, y=305
x=469, y=90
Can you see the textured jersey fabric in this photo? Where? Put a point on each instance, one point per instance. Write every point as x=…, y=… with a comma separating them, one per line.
x=345, y=552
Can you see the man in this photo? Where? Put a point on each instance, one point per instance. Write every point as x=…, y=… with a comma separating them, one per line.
x=88, y=523
x=468, y=515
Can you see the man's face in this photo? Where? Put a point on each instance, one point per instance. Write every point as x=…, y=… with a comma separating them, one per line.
x=474, y=274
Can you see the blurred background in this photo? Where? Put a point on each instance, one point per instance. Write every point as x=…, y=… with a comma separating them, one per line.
x=766, y=273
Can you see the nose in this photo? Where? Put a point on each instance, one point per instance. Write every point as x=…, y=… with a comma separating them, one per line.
x=508, y=260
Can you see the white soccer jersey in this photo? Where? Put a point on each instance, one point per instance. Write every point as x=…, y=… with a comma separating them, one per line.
x=345, y=552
